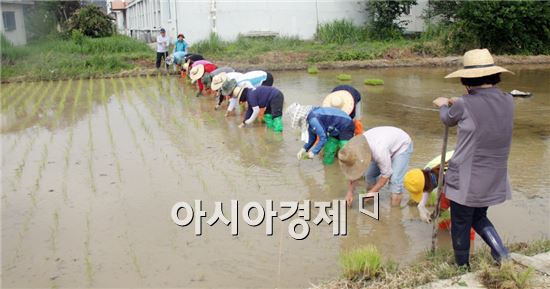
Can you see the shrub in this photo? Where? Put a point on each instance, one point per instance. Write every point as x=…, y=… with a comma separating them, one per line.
x=340, y=31
x=384, y=14
x=361, y=263
x=214, y=44
x=91, y=21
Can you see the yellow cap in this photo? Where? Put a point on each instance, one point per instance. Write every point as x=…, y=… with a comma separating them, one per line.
x=414, y=183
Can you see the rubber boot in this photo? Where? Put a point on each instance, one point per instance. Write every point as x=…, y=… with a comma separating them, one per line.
x=498, y=250
x=331, y=147
x=342, y=143
x=278, y=124
x=268, y=119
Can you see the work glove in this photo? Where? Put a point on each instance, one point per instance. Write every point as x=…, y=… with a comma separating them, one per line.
x=425, y=215
x=217, y=107
x=301, y=153
x=310, y=155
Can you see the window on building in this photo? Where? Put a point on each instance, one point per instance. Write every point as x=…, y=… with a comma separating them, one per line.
x=408, y=9
x=9, y=20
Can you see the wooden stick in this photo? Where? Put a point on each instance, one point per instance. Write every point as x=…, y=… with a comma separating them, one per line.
x=440, y=187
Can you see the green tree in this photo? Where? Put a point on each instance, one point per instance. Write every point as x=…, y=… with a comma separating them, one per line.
x=91, y=21
x=384, y=14
x=501, y=26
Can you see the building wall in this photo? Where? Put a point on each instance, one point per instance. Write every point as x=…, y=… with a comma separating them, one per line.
x=229, y=18
x=19, y=35
x=416, y=23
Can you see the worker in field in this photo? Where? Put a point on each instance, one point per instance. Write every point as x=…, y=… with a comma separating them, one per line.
x=189, y=60
x=162, y=47
x=250, y=79
x=381, y=155
x=355, y=114
x=477, y=176
x=207, y=77
x=180, y=45
x=267, y=97
x=422, y=186
x=198, y=71
x=322, y=122
x=217, y=83
x=344, y=101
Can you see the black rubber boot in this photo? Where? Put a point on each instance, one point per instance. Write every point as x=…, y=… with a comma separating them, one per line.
x=498, y=250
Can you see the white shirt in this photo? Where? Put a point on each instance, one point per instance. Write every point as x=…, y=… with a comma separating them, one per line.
x=162, y=43
x=385, y=143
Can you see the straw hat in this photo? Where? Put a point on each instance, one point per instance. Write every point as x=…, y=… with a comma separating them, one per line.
x=354, y=158
x=414, y=183
x=186, y=65
x=229, y=86
x=339, y=99
x=478, y=63
x=196, y=73
x=238, y=91
x=218, y=80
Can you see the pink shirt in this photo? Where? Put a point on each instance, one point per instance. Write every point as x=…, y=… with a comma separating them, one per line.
x=203, y=62
x=385, y=143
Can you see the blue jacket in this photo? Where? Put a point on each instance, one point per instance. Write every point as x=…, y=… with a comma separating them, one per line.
x=180, y=46
x=328, y=122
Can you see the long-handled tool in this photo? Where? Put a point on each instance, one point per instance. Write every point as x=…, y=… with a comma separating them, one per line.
x=440, y=187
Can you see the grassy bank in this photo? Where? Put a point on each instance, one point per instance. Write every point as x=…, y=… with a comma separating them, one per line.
x=363, y=268
x=61, y=58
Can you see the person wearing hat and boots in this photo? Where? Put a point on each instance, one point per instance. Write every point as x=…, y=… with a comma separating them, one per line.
x=198, y=71
x=477, y=176
x=267, y=97
x=342, y=100
x=391, y=149
x=162, y=47
x=355, y=114
x=322, y=122
x=218, y=81
x=250, y=79
x=208, y=76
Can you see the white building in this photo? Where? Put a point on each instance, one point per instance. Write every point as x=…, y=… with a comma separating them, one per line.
x=229, y=18
x=13, y=21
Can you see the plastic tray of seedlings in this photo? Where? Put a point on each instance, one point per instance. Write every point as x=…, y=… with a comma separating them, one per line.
x=374, y=81
x=344, y=77
x=312, y=69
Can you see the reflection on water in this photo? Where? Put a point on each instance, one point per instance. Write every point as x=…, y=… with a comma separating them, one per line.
x=91, y=169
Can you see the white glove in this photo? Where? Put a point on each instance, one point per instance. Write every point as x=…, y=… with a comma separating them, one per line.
x=301, y=153
x=425, y=215
x=310, y=155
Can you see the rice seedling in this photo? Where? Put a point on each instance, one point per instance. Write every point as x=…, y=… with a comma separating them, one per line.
x=91, y=140
x=23, y=94
x=61, y=104
x=312, y=69
x=142, y=121
x=130, y=127
x=54, y=230
x=374, y=81
x=134, y=257
x=110, y=130
x=69, y=144
x=361, y=263
x=87, y=254
x=35, y=106
x=343, y=77
x=21, y=166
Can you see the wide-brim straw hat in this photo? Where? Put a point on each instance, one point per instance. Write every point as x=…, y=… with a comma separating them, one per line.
x=196, y=73
x=477, y=63
x=228, y=86
x=354, y=158
x=238, y=91
x=186, y=65
x=339, y=99
x=218, y=80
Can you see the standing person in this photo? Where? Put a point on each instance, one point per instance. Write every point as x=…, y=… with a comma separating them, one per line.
x=180, y=45
x=355, y=114
x=478, y=171
x=389, y=149
x=267, y=97
x=322, y=122
x=162, y=47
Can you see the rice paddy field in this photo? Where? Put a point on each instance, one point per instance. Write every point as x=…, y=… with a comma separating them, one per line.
x=92, y=167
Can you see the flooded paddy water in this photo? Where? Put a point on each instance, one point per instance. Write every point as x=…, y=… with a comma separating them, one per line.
x=92, y=168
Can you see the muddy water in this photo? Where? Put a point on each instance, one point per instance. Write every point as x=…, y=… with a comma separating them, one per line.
x=91, y=169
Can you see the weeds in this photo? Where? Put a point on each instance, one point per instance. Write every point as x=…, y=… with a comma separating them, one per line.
x=507, y=276
x=339, y=32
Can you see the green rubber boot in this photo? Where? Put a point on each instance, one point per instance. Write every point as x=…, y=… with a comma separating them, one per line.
x=278, y=124
x=342, y=143
x=268, y=119
x=330, y=151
